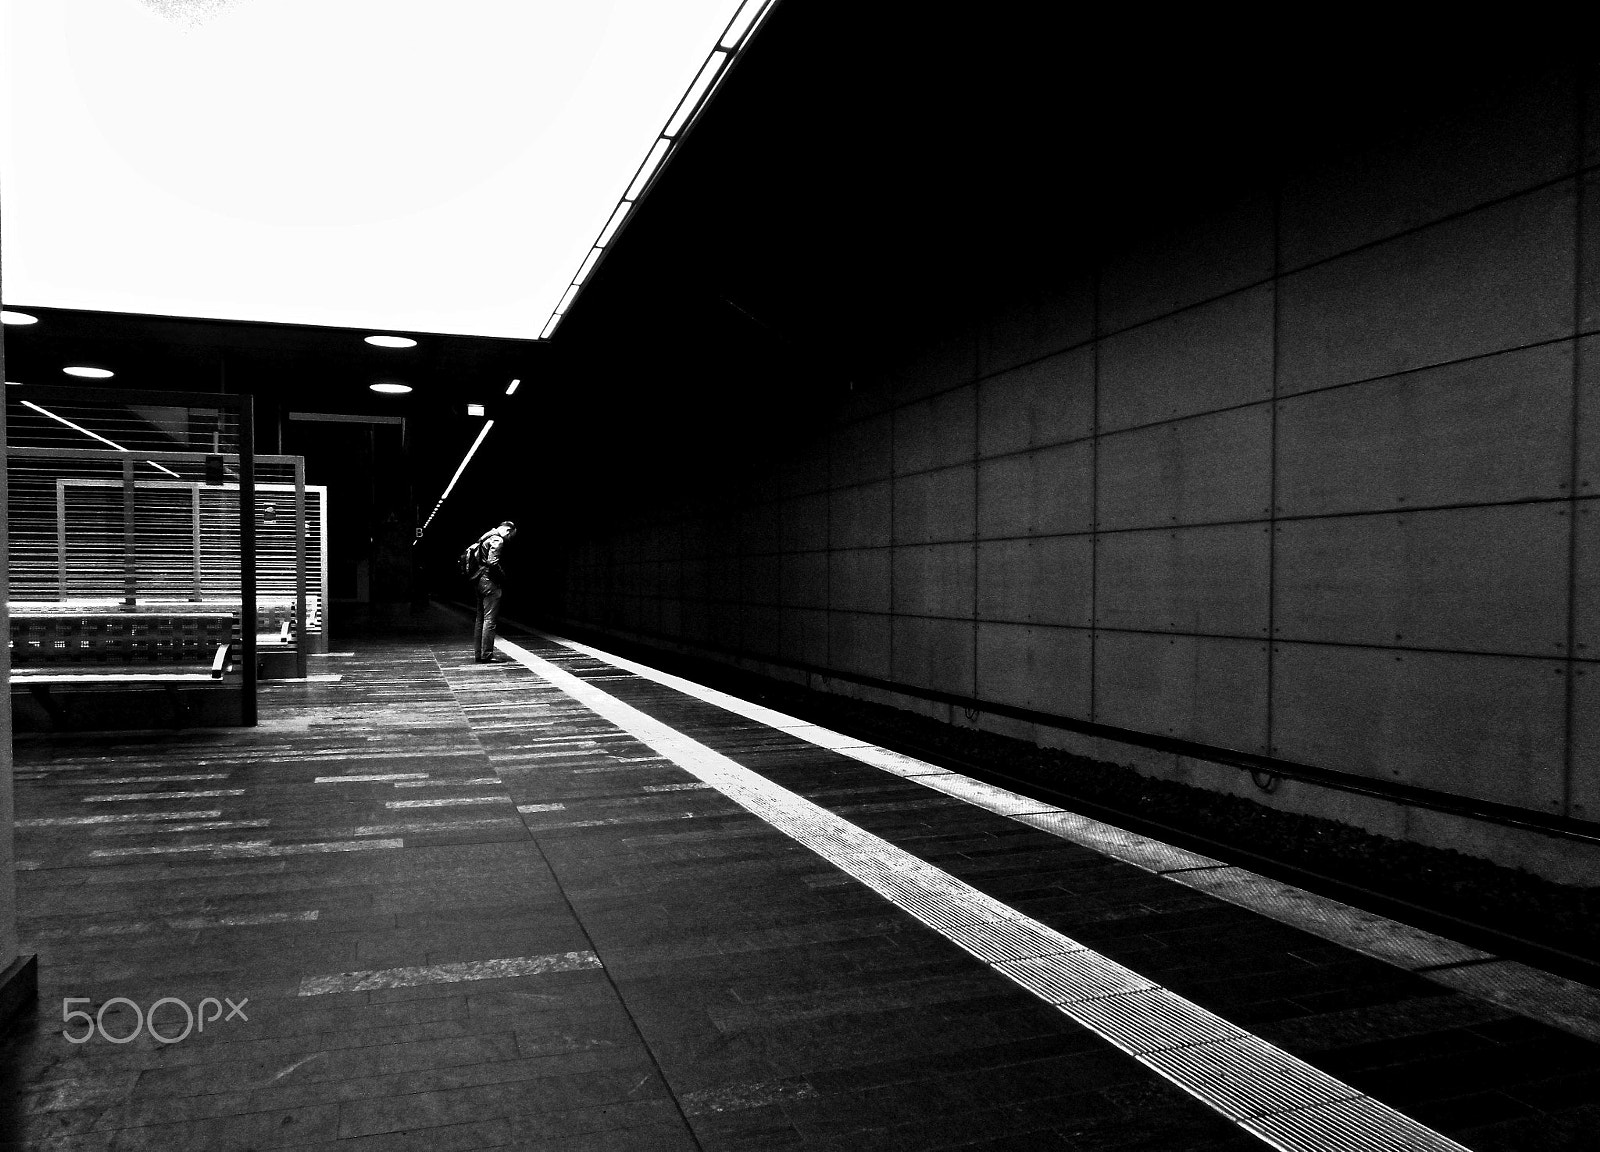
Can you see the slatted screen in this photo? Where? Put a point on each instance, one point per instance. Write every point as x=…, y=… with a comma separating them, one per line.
x=125, y=505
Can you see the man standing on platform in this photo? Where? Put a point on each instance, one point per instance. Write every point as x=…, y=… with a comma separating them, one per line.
x=490, y=581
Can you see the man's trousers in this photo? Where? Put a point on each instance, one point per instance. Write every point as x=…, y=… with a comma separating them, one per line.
x=489, y=594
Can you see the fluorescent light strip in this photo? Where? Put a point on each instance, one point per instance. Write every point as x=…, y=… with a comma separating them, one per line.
x=729, y=44
x=741, y=24
x=93, y=435
x=648, y=169
x=511, y=388
x=465, y=460
x=691, y=98
x=613, y=224
x=587, y=266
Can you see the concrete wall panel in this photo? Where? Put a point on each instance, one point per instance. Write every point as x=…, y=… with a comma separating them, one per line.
x=944, y=364
x=806, y=470
x=1006, y=502
x=1042, y=493
x=863, y=451
x=935, y=654
x=805, y=579
x=936, y=432
x=761, y=630
x=934, y=580
x=1062, y=487
x=1498, y=278
x=762, y=580
x=860, y=516
x=868, y=396
x=1586, y=743
x=859, y=580
x=1589, y=411
x=805, y=636
x=1586, y=581
x=1492, y=727
x=1046, y=669
x=1509, y=139
x=935, y=506
x=1205, y=468
x=1210, y=580
x=1488, y=430
x=1046, y=402
x=1044, y=581
x=859, y=643
x=1189, y=687
x=1217, y=355
x=1043, y=323
x=724, y=577
x=804, y=523
x=1480, y=579
x=1200, y=258
x=759, y=532
x=669, y=614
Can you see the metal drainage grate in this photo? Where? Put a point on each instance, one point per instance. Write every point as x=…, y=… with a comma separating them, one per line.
x=1009, y=940
x=1359, y=1125
x=1247, y=1077
x=1152, y=1020
x=1073, y=976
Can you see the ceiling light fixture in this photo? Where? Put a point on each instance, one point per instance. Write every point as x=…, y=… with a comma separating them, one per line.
x=390, y=388
x=392, y=341
x=733, y=40
x=90, y=373
x=474, y=409
x=19, y=318
x=511, y=388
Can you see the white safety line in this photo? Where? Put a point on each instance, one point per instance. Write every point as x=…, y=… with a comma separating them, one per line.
x=1368, y=933
x=1279, y=1098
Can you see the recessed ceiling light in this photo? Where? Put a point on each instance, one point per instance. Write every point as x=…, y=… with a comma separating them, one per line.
x=474, y=409
x=392, y=341
x=392, y=388
x=511, y=388
x=91, y=373
x=11, y=317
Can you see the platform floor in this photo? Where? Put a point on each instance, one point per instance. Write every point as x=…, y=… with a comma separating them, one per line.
x=466, y=906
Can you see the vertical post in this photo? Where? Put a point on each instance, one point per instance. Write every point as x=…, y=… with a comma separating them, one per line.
x=130, y=574
x=61, y=538
x=302, y=640
x=194, y=510
x=323, y=605
x=19, y=975
x=247, y=546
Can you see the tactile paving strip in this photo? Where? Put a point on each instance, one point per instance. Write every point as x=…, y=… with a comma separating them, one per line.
x=1244, y=1078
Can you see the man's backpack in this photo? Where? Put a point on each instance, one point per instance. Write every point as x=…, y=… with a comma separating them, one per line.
x=470, y=562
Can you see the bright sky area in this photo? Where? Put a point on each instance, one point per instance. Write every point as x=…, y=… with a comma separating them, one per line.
x=393, y=165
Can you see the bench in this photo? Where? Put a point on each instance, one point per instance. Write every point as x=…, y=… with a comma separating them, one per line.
x=90, y=649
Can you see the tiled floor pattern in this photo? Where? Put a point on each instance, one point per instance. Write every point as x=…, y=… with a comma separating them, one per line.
x=651, y=966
